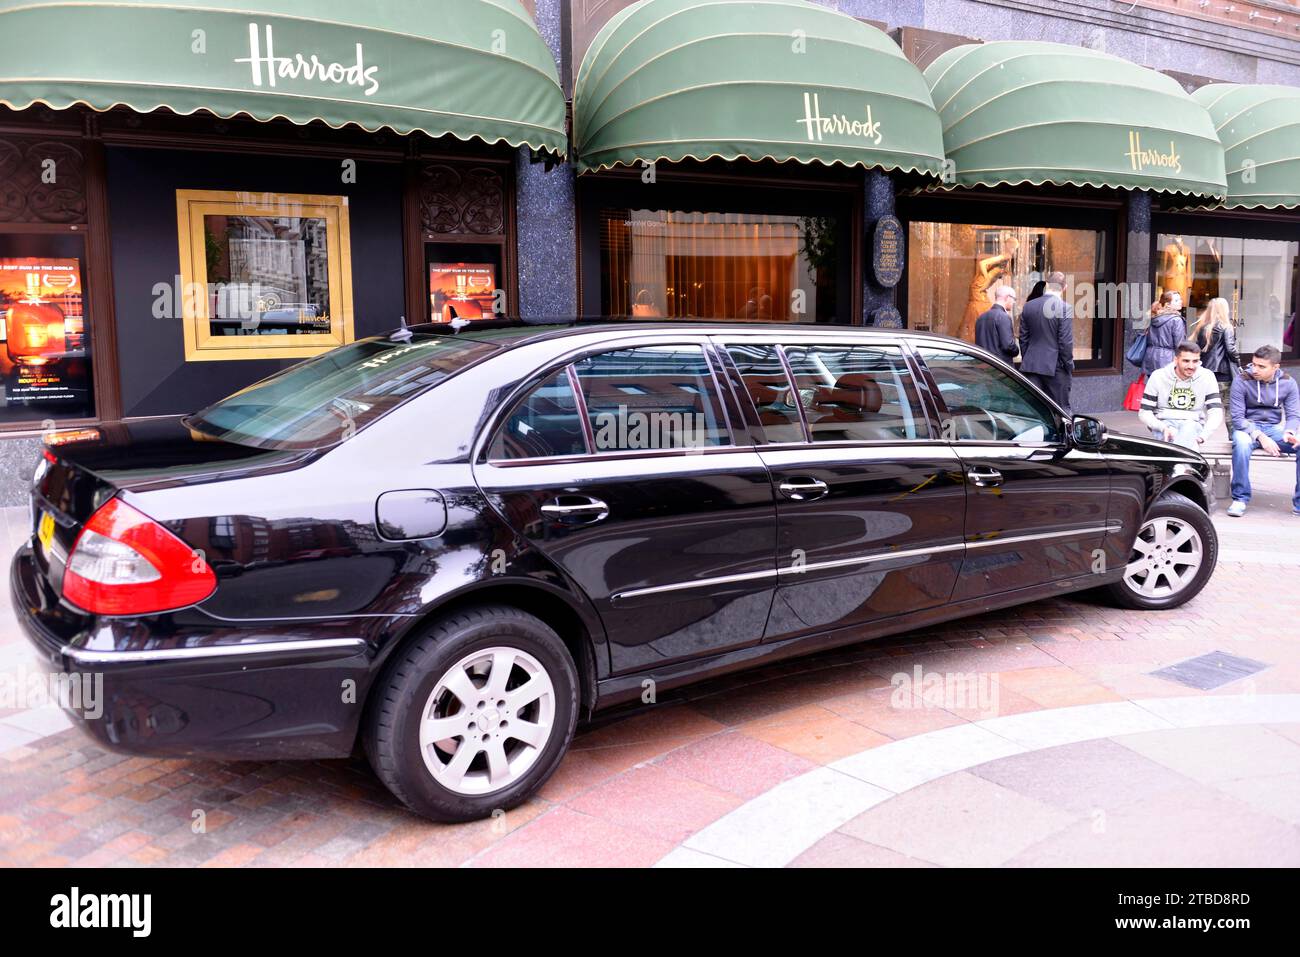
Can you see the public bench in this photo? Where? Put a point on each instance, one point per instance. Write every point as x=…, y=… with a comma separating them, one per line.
x=1219, y=454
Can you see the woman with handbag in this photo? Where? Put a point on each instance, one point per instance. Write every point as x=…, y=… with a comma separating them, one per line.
x=1217, y=338
x=1165, y=331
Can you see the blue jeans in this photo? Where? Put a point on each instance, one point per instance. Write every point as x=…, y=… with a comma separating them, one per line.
x=1186, y=432
x=1242, y=446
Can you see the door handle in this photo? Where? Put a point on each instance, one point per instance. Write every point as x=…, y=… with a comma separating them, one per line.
x=984, y=478
x=803, y=489
x=576, y=509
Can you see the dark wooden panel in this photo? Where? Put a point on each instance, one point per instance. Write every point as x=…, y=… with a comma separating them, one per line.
x=461, y=199
x=42, y=180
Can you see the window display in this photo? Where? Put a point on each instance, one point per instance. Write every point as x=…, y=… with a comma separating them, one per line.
x=710, y=265
x=1257, y=277
x=265, y=275
x=44, y=360
x=954, y=268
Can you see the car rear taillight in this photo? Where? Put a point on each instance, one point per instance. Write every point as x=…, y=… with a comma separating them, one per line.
x=125, y=563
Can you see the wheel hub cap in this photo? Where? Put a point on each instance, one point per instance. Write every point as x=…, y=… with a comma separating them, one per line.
x=487, y=721
x=1166, y=557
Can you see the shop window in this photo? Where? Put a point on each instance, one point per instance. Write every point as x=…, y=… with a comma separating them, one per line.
x=1256, y=277
x=856, y=393
x=954, y=268
x=45, y=354
x=663, y=264
x=266, y=275
x=656, y=397
x=464, y=216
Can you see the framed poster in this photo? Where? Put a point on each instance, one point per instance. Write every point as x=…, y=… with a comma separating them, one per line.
x=44, y=365
x=462, y=291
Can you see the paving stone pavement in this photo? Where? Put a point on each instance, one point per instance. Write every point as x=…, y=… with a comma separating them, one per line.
x=1074, y=781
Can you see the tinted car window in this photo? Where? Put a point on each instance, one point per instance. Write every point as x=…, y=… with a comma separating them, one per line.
x=857, y=393
x=985, y=403
x=769, y=389
x=545, y=422
x=653, y=397
x=325, y=400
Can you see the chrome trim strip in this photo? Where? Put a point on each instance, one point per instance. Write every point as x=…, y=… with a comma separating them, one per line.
x=702, y=583
x=871, y=559
x=987, y=543
x=861, y=560
x=82, y=656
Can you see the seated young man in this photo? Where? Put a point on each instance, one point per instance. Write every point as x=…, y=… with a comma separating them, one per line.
x=1181, y=403
x=1265, y=407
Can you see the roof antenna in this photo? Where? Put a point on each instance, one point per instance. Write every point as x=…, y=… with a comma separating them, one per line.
x=403, y=334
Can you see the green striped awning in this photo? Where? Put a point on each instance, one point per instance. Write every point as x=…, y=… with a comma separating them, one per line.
x=760, y=79
x=469, y=68
x=1032, y=112
x=1259, y=127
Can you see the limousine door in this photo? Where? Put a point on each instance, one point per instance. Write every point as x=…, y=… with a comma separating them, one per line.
x=870, y=511
x=1036, y=506
x=644, y=501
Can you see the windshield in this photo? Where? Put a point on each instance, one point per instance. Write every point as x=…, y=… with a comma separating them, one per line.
x=327, y=399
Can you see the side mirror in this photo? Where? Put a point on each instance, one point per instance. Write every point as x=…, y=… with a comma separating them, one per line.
x=1087, y=432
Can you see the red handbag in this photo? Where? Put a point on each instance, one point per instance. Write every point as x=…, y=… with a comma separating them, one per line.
x=1133, y=398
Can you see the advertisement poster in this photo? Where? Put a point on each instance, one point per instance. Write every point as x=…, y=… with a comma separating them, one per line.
x=461, y=290
x=43, y=360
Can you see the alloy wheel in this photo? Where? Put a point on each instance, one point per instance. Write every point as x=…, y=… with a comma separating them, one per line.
x=1166, y=557
x=487, y=720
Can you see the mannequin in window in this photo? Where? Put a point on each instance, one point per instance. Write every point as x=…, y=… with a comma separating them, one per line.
x=987, y=272
x=1176, y=268
x=1205, y=274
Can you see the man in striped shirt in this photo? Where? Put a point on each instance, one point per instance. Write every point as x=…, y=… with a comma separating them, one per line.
x=1182, y=402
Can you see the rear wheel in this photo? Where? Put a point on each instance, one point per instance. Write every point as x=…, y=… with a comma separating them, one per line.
x=475, y=715
x=1173, y=556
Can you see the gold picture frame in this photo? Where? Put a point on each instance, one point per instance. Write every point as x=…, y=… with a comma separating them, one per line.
x=193, y=205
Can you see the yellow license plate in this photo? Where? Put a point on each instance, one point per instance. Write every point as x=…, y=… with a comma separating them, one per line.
x=45, y=530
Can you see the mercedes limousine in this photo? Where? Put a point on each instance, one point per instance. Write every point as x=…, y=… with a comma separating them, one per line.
x=448, y=546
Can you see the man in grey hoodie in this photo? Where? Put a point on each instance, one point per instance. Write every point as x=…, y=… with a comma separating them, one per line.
x=1265, y=405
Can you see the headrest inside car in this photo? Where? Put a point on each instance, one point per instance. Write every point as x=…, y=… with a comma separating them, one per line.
x=852, y=392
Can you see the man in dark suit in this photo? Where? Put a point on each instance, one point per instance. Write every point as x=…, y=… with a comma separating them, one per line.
x=1047, y=341
x=993, y=330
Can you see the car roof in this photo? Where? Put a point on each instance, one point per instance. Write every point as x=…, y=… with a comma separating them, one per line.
x=510, y=333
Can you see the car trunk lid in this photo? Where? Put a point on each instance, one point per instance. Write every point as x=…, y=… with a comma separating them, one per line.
x=75, y=478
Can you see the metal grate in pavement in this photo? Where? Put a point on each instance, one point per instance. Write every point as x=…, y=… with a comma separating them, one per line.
x=1210, y=671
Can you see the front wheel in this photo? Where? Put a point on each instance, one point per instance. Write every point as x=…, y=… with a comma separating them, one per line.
x=475, y=715
x=1173, y=556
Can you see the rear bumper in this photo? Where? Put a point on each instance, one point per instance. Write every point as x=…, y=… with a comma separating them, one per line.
x=205, y=692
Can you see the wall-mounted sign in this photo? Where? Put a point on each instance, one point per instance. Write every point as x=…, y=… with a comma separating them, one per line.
x=887, y=317
x=887, y=251
x=462, y=290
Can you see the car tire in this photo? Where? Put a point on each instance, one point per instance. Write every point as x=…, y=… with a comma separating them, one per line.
x=1173, y=556
x=441, y=733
